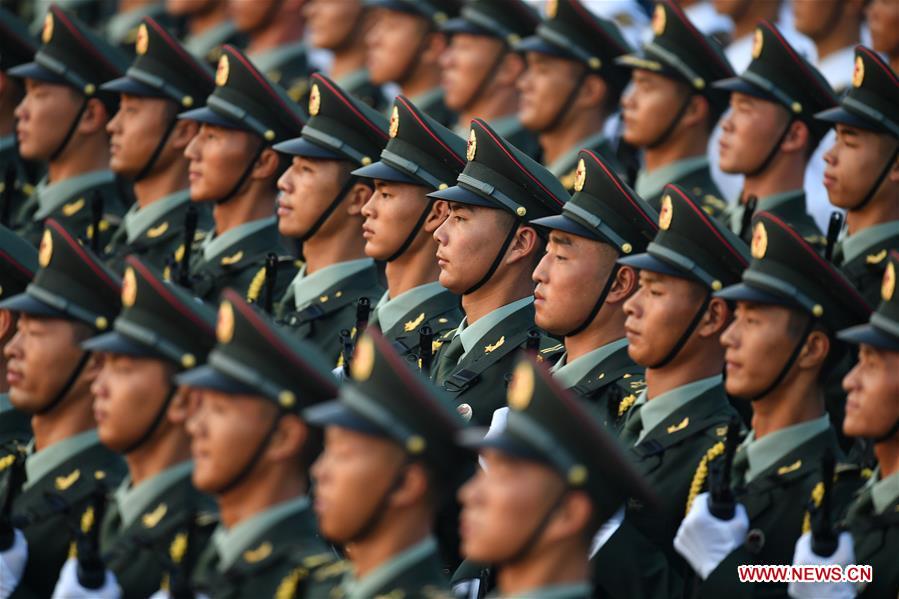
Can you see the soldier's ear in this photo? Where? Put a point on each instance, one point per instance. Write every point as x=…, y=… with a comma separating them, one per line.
x=525, y=246
x=414, y=487
x=289, y=437
x=94, y=117
x=797, y=139
x=697, y=112
x=183, y=133
x=624, y=286
x=815, y=351
x=356, y=198
x=572, y=518
x=439, y=213
x=7, y=324
x=268, y=165
x=717, y=318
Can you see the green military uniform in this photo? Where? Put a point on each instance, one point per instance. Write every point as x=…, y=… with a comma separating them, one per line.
x=271, y=552
x=434, y=13
x=680, y=52
x=424, y=153
x=869, y=104
x=121, y=29
x=69, y=478
x=391, y=400
x=778, y=74
x=670, y=433
x=207, y=45
x=604, y=209
x=873, y=518
x=473, y=360
x=162, y=69
x=508, y=21
x=154, y=531
x=318, y=305
x=288, y=66
x=548, y=425
x=244, y=99
x=17, y=184
x=571, y=31
x=775, y=476
x=72, y=55
x=358, y=83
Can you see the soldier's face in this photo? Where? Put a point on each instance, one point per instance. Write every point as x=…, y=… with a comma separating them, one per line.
x=40, y=358
x=883, y=19
x=758, y=330
x=390, y=213
x=749, y=130
x=469, y=240
x=225, y=431
x=648, y=105
x=391, y=44
x=352, y=476
x=544, y=87
x=872, y=387
x=44, y=116
x=502, y=505
x=218, y=157
x=571, y=263
x=854, y=162
x=307, y=189
x=732, y=8
x=181, y=8
x=465, y=65
x=657, y=315
x=330, y=22
x=250, y=14
x=815, y=18
x=135, y=131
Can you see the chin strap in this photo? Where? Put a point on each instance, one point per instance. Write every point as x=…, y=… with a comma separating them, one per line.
x=682, y=340
x=891, y=432
x=157, y=151
x=485, y=81
x=772, y=152
x=567, y=104
x=878, y=181
x=242, y=474
x=410, y=67
x=67, y=386
x=157, y=420
x=597, y=306
x=380, y=508
x=347, y=186
x=525, y=548
x=71, y=131
x=243, y=177
x=496, y=261
x=789, y=363
x=412, y=234
x=669, y=130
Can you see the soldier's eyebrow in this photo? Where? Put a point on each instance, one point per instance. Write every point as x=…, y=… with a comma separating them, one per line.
x=559, y=239
x=457, y=207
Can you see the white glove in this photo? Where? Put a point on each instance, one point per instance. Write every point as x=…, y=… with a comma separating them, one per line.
x=803, y=555
x=68, y=587
x=606, y=531
x=12, y=564
x=704, y=540
x=339, y=374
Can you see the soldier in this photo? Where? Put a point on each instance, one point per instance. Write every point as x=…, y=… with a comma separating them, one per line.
x=487, y=251
x=581, y=289
x=209, y=27
x=872, y=413
x=62, y=120
x=16, y=47
x=233, y=166
x=883, y=17
x=252, y=449
x=422, y=156
x=480, y=68
x=141, y=414
x=789, y=306
x=389, y=464
x=341, y=27
x=404, y=47
x=550, y=480
x=121, y=29
x=671, y=108
x=68, y=470
x=776, y=99
x=321, y=206
x=571, y=85
x=858, y=179
x=274, y=31
x=147, y=143
x=18, y=263
x=673, y=327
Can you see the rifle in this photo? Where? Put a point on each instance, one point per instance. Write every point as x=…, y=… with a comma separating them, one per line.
x=271, y=279
x=9, y=185
x=346, y=350
x=363, y=309
x=721, y=498
x=190, y=229
x=91, y=569
x=751, y=202
x=532, y=345
x=824, y=536
x=425, y=352
x=15, y=480
x=833, y=230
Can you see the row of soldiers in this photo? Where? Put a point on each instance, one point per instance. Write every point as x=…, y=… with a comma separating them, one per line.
x=383, y=290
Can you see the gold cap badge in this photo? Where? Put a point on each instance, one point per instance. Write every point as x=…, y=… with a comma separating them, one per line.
x=858, y=74
x=521, y=388
x=889, y=283
x=757, y=42
x=143, y=40
x=394, y=122
x=129, y=288
x=45, y=251
x=222, y=71
x=224, y=327
x=472, y=146
x=363, y=359
x=580, y=175
x=315, y=100
x=47, y=33
x=552, y=9
x=666, y=213
x=658, y=20
x=759, y=245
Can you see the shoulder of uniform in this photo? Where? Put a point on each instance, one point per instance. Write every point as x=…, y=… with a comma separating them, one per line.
x=633, y=383
x=333, y=569
x=713, y=204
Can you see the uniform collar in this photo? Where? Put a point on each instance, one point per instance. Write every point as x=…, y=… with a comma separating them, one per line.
x=119, y=25
x=215, y=245
x=202, y=44
x=230, y=544
x=471, y=334
x=884, y=491
x=271, y=59
x=137, y=220
x=429, y=97
x=855, y=245
x=562, y=164
x=654, y=412
x=390, y=311
x=7, y=141
x=307, y=288
x=39, y=464
x=354, y=79
x=555, y=591
x=764, y=453
x=134, y=501
x=651, y=183
x=569, y=374
x=776, y=200
x=54, y=195
x=5, y=405
x=383, y=574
